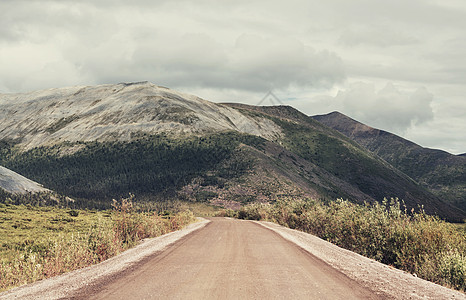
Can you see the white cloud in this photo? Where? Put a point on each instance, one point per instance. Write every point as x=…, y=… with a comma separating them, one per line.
x=169, y=44
x=440, y=134
x=282, y=62
x=252, y=63
x=389, y=108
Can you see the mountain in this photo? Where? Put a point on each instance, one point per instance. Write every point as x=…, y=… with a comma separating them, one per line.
x=103, y=142
x=116, y=112
x=17, y=184
x=441, y=172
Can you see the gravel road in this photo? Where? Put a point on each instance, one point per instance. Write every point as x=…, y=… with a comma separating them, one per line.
x=234, y=259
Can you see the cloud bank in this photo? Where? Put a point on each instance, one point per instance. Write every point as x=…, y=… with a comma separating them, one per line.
x=94, y=43
x=239, y=50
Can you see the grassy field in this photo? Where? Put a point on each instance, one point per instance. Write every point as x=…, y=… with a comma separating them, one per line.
x=24, y=228
x=41, y=242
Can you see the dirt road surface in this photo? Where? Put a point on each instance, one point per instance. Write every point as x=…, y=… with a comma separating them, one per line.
x=233, y=259
x=230, y=259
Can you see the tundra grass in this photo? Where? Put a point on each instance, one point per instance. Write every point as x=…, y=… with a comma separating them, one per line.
x=41, y=242
x=30, y=227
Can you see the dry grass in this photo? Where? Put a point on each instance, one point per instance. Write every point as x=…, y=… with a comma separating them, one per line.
x=46, y=242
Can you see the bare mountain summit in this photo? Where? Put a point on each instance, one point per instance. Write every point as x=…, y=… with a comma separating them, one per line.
x=115, y=112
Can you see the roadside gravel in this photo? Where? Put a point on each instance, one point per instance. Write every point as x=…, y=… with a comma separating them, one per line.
x=63, y=285
x=376, y=276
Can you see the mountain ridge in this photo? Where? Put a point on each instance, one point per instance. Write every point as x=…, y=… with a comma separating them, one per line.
x=442, y=172
x=105, y=112
x=101, y=142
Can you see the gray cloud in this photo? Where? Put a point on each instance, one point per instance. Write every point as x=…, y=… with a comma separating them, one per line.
x=242, y=49
x=389, y=108
x=378, y=35
x=158, y=43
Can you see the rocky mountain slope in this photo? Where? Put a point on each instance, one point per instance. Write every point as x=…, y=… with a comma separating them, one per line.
x=441, y=172
x=116, y=112
x=102, y=142
x=14, y=183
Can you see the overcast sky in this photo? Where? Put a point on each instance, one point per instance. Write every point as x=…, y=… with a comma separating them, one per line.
x=395, y=65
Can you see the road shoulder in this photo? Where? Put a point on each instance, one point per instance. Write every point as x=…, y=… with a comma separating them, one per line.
x=378, y=277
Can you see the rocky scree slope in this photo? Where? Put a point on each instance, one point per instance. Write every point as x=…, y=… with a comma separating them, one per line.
x=14, y=183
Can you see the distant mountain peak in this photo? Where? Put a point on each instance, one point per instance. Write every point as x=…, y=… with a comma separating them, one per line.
x=441, y=172
x=349, y=126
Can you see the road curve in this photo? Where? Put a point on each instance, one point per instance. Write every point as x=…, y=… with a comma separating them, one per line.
x=229, y=259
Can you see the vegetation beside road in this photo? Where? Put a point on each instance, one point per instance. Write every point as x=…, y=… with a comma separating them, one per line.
x=42, y=242
x=412, y=241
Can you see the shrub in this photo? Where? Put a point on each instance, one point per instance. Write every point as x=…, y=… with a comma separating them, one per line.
x=73, y=213
x=453, y=269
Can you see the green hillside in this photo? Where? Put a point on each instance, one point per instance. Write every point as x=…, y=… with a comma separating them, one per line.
x=350, y=162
